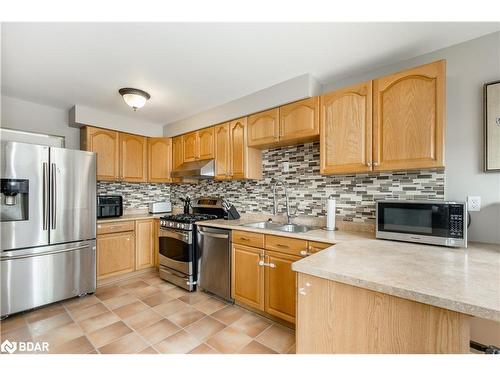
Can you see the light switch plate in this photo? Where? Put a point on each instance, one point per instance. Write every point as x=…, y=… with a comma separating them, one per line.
x=474, y=203
x=286, y=166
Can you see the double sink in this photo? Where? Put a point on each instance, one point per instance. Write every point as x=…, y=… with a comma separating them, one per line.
x=290, y=228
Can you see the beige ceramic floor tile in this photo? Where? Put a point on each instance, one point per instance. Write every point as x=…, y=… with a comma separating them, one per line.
x=181, y=342
x=20, y=334
x=203, y=349
x=229, y=340
x=12, y=323
x=256, y=348
x=81, y=302
x=109, y=292
x=98, y=321
x=158, y=331
x=278, y=338
x=61, y=335
x=144, y=292
x=153, y=280
x=205, y=328
x=43, y=313
x=109, y=333
x=116, y=302
x=143, y=319
x=177, y=292
x=210, y=305
x=228, y=314
x=131, y=309
x=157, y=299
x=88, y=312
x=165, y=287
x=194, y=298
x=170, y=308
x=132, y=284
x=148, y=350
x=186, y=316
x=80, y=345
x=251, y=324
x=292, y=350
x=129, y=344
x=45, y=325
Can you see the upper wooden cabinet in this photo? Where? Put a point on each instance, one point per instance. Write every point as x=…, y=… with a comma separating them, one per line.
x=105, y=143
x=346, y=130
x=409, y=118
x=206, y=143
x=222, y=149
x=177, y=151
x=300, y=120
x=159, y=159
x=246, y=162
x=133, y=158
x=190, y=146
x=263, y=128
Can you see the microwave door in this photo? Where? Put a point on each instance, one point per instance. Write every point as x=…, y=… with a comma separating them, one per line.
x=72, y=195
x=24, y=197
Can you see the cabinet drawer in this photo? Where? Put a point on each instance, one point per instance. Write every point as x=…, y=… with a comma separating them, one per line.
x=115, y=227
x=286, y=245
x=314, y=247
x=248, y=238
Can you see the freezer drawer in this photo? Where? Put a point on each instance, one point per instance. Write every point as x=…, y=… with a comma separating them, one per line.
x=39, y=276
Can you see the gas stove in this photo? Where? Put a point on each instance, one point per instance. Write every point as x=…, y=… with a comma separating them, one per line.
x=184, y=221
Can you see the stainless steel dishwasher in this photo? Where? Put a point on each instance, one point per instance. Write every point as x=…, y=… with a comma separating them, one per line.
x=214, y=261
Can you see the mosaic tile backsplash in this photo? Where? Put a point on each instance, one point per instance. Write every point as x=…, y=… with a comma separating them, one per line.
x=308, y=190
x=135, y=195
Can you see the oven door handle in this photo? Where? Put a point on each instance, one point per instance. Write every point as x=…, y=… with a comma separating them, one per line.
x=178, y=236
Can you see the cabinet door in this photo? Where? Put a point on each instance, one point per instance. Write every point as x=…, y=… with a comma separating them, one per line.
x=346, y=130
x=144, y=244
x=300, y=120
x=133, y=158
x=115, y=254
x=222, y=159
x=191, y=147
x=280, y=285
x=206, y=143
x=248, y=276
x=177, y=152
x=409, y=119
x=238, y=147
x=159, y=159
x=263, y=128
x=105, y=144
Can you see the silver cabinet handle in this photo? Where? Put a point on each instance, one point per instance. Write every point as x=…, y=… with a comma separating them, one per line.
x=375, y=163
x=264, y=264
x=305, y=253
x=53, y=202
x=302, y=291
x=45, y=199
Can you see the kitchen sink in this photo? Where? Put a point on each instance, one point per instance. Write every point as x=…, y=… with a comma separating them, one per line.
x=294, y=228
x=291, y=228
x=263, y=225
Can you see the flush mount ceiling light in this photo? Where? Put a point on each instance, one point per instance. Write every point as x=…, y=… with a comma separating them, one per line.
x=135, y=98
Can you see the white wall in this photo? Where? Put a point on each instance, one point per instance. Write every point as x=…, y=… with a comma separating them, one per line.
x=469, y=66
x=28, y=116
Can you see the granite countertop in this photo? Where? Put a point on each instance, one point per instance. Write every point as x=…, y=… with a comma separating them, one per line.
x=462, y=280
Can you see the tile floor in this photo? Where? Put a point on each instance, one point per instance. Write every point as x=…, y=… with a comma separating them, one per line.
x=148, y=315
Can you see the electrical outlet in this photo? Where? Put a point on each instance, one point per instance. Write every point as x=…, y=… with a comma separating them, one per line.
x=286, y=166
x=474, y=203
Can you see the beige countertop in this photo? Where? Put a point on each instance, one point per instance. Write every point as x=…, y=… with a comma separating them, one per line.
x=131, y=216
x=463, y=280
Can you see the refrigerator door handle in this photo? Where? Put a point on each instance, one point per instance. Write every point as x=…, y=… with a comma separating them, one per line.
x=53, y=201
x=45, y=197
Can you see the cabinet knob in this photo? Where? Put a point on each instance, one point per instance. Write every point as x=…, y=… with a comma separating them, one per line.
x=375, y=163
x=369, y=164
x=302, y=291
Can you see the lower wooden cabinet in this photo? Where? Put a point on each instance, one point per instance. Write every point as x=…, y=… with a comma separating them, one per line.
x=248, y=276
x=144, y=244
x=115, y=254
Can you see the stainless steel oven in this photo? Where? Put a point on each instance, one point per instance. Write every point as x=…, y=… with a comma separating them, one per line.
x=430, y=222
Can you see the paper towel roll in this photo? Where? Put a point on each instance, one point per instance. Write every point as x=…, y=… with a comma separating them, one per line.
x=330, y=213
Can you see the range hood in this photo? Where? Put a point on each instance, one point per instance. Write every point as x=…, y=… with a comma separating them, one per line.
x=195, y=169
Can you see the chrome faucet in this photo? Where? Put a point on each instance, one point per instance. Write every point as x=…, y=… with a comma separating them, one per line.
x=287, y=200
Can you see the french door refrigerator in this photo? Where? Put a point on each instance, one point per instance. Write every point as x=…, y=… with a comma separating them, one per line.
x=48, y=225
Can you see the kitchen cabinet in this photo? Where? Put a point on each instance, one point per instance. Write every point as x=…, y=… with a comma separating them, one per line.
x=222, y=150
x=248, y=276
x=206, y=143
x=263, y=128
x=159, y=159
x=409, y=118
x=115, y=254
x=346, y=130
x=262, y=276
x=177, y=152
x=144, y=244
x=299, y=121
x=105, y=144
x=245, y=162
x=190, y=147
x=133, y=158
x=280, y=288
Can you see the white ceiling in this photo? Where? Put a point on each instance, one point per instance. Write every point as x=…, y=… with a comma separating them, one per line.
x=190, y=67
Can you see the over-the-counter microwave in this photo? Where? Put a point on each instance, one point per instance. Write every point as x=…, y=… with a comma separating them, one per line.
x=429, y=222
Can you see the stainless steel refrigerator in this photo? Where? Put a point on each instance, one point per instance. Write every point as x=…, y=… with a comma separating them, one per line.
x=48, y=225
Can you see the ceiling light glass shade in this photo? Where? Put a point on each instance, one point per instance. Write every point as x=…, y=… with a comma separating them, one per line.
x=135, y=98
